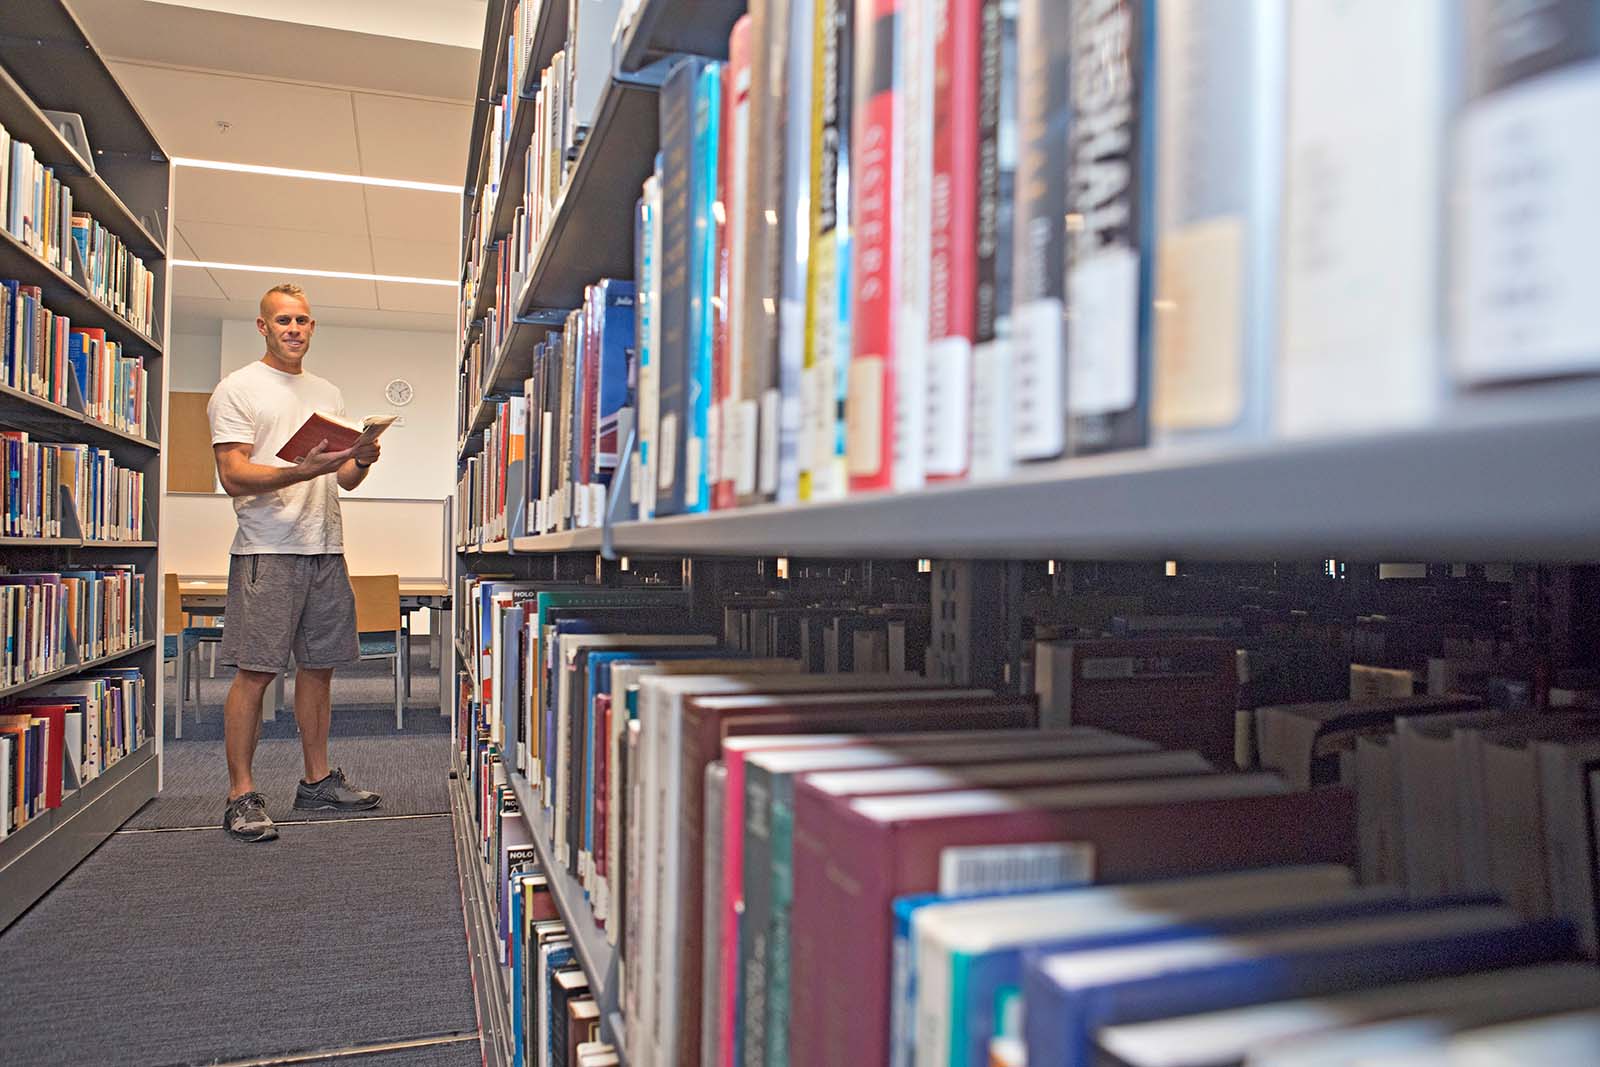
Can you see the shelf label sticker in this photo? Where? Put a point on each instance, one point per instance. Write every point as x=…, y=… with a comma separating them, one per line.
x=971, y=870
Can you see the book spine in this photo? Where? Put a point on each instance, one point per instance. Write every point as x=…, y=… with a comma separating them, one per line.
x=1038, y=320
x=755, y=922
x=1108, y=261
x=701, y=282
x=719, y=473
x=1532, y=71
x=960, y=151
x=913, y=151
x=875, y=248
x=676, y=118
x=1340, y=367
x=782, y=424
x=829, y=297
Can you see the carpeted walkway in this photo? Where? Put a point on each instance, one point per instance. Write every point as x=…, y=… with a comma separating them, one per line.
x=180, y=946
x=190, y=948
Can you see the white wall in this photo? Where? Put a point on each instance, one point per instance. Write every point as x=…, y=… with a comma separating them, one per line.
x=194, y=358
x=404, y=537
x=418, y=453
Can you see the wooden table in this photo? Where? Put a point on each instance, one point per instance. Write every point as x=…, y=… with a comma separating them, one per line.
x=209, y=596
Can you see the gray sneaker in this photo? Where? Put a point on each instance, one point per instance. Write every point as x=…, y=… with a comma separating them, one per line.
x=246, y=819
x=333, y=793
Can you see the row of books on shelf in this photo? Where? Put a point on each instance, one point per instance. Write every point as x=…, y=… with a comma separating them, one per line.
x=551, y=453
x=566, y=97
x=53, y=620
x=45, y=356
x=808, y=866
x=867, y=260
x=62, y=736
x=555, y=1016
x=37, y=209
x=68, y=490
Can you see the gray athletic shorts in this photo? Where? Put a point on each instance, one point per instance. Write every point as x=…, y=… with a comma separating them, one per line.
x=278, y=604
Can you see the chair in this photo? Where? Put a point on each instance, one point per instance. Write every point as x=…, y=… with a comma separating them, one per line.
x=378, y=627
x=189, y=638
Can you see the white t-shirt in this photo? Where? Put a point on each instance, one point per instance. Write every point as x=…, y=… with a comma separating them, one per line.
x=263, y=407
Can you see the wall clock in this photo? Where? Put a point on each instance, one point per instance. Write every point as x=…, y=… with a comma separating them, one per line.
x=399, y=392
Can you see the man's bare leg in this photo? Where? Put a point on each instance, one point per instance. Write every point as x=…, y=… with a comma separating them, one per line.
x=241, y=728
x=313, y=710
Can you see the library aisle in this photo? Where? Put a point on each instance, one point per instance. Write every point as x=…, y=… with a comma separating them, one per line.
x=345, y=934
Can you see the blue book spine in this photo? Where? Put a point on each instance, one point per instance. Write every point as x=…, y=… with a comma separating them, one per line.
x=702, y=280
x=677, y=105
x=903, y=990
x=1060, y=1022
x=616, y=339
x=518, y=937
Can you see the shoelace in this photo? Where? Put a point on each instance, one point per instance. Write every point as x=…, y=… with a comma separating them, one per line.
x=251, y=804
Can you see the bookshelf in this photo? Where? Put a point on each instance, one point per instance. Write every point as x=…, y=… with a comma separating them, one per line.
x=1505, y=474
x=48, y=64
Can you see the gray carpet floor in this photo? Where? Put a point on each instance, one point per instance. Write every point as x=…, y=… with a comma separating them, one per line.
x=411, y=772
x=190, y=948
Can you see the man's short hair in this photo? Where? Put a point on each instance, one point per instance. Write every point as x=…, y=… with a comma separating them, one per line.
x=287, y=289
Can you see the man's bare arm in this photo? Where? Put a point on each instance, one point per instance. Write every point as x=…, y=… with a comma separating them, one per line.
x=352, y=473
x=240, y=477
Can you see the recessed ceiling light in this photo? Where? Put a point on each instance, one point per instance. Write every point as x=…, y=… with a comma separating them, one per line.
x=315, y=175
x=313, y=273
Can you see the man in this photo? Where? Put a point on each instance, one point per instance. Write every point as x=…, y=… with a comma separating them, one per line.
x=288, y=589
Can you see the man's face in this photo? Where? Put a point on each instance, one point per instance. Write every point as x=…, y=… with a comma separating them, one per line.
x=287, y=326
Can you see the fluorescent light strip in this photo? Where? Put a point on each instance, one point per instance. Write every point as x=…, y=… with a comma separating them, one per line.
x=315, y=175
x=310, y=272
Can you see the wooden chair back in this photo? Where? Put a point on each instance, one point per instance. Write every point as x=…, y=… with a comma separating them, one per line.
x=172, y=611
x=377, y=602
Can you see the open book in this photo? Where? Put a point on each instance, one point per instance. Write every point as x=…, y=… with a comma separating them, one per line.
x=338, y=431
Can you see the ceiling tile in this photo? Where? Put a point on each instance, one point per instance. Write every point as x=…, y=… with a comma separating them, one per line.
x=195, y=282
x=412, y=215
x=219, y=243
x=323, y=292
x=270, y=122
x=419, y=140
x=432, y=299
x=414, y=259
x=271, y=202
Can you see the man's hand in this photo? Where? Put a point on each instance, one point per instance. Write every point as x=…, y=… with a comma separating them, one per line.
x=366, y=453
x=320, y=461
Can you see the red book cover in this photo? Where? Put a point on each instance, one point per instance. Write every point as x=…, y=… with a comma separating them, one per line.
x=707, y=722
x=852, y=858
x=952, y=303
x=339, y=432
x=55, y=745
x=869, y=411
x=720, y=472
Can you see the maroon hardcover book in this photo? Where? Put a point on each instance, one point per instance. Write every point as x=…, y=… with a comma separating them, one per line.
x=853, y=857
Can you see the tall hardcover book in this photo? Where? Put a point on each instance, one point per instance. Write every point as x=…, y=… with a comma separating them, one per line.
x=648, y=338
x=1110, y=188
x=1038, y=319
x=760, y=273
x=960, y=82
x=782, y=419
x=876, y=181
x=913, y=224
x=740, y=50
x=1359, y=347
x=1533, y=74
x=701, y=332
x=719, y=474
x=677, y=106
x=829, y=298
x=1219, y=178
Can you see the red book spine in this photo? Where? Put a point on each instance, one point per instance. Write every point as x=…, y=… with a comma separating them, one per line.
x=848, y=870
x=869, y=412
x=720, y=475
x=952, y=301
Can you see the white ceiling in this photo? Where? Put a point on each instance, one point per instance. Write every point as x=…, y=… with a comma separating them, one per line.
x=373, y=107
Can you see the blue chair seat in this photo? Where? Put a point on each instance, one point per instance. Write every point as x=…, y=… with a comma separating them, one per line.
x=381, y=643
x=193, y=636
